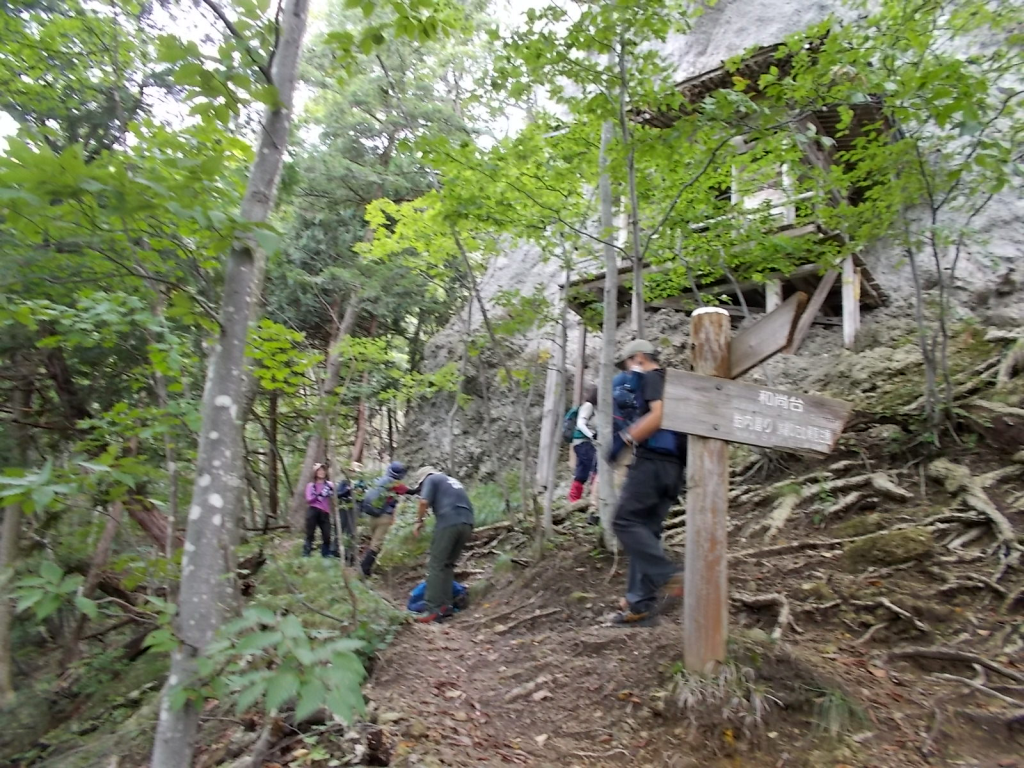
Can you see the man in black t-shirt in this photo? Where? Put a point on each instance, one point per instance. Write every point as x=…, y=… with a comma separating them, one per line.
x=652, y=486
x=453, y=528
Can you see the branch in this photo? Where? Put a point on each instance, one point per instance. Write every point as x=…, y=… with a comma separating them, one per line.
x=261, y=66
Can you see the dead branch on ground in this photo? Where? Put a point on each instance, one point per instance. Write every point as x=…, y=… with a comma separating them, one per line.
x=948, y=654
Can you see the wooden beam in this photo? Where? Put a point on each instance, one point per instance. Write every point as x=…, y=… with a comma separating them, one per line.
x=851, y=302
x=813, y=307
x=770, y=334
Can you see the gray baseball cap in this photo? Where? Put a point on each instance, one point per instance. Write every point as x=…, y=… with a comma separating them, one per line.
x=636, y=346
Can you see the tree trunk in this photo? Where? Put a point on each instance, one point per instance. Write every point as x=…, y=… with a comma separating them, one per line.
x=99, y=561
x=9, y=536
x=463, y=365
x=153, y=523
x=316, y=449
x=359, y=445
x=554, y=436
x=273, y=498
x=634, y=198
x=391, y=432
x=206, y=592
x=608, y=329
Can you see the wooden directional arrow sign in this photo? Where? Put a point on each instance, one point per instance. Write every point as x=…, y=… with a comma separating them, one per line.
x=756, y=343
x=708, y=406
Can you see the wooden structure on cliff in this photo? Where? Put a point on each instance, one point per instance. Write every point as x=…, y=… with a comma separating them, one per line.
x=837, y=294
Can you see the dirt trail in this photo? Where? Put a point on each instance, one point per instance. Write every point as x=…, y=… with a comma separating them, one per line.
x=529, y=676
x=525, y=680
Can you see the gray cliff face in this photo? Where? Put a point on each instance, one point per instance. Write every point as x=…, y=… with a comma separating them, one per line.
x=987, y=286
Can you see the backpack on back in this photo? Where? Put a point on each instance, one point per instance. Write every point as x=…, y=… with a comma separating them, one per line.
x=376, y=499
x=626, y=398
x=664, y=440
x=569, y=424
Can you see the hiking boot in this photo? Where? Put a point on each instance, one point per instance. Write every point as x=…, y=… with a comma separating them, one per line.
x=431, y=617
x=671, y=593
x=629, y=618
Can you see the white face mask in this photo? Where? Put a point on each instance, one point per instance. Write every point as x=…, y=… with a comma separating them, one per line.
x=636, y=368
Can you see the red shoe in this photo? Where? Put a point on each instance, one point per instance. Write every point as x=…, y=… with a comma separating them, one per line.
x=430, y=617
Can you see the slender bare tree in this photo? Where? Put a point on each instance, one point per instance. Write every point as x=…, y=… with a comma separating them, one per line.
x=207, y=596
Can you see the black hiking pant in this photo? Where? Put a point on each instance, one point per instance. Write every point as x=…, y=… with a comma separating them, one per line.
x=317, y=518
x=652, y=486
x=445, y=549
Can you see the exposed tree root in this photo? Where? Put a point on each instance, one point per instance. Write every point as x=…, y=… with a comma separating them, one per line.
x=937, y=522
x=883, y=602
x=527, y=688
x=881, y=483
x=975, y=685
x=780, y=514
x=974, y=380
x=871, y=632
x=958, y=479
x=790, y=502
x=996, y=718
x=971, y=582
x=757, y=495
x=777, y=599
x=846, y=503
x=948, y=654
x=526, y=619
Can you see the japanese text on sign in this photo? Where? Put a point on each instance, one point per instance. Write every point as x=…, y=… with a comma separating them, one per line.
x=785, y=428
x=777, y=400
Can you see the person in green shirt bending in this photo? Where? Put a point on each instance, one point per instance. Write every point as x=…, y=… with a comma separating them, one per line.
x=453, y=527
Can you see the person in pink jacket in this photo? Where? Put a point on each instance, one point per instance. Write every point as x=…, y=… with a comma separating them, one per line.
x=319, y=495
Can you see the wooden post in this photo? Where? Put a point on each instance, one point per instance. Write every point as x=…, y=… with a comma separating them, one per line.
x=706, y=608
x=851, y=302
x=772, y=295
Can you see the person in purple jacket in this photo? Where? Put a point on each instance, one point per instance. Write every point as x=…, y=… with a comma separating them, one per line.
x=319, y=495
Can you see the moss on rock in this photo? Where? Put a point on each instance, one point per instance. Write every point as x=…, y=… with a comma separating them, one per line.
x=889, y=548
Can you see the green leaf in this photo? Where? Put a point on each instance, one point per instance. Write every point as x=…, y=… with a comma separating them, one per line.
x=269, y=241
x=292, y=627
x=281, y=687
x=257, y=641
x=52, y=572
x=249, y=695
x=47, y=605
x=312, y=696
x=87, y=606
x=345, y=702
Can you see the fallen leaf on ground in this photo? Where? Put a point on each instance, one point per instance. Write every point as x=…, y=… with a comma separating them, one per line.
x=541, y=695
x=460, y=716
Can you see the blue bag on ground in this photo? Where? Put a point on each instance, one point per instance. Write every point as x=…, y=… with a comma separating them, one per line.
x=417, y=598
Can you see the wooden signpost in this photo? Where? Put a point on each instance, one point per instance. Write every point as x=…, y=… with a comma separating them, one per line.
x=714, y=411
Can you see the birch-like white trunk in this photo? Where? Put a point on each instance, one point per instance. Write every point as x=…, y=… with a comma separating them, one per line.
x=637, y=306
x=207, y=594
x=558, y=407
x=609, y=326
